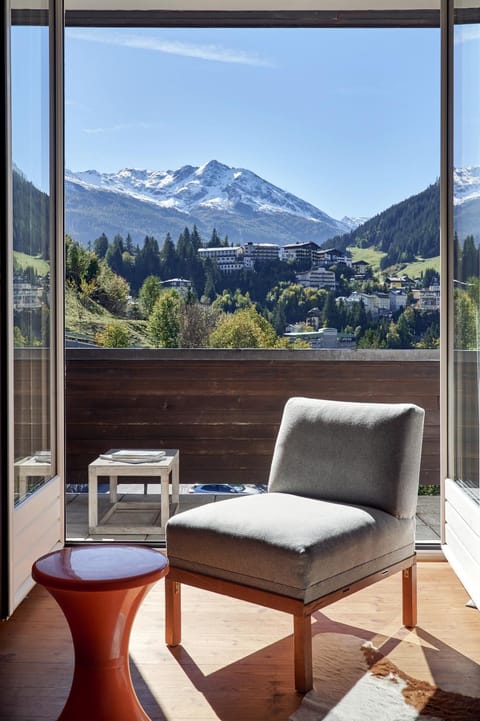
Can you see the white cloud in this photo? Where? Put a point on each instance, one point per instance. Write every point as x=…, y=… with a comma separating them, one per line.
x=212, y=52
x=121, y=126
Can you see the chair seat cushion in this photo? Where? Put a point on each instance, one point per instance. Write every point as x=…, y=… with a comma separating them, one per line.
x=308, y=548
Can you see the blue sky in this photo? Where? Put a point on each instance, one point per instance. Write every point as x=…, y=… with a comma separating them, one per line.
x=346, y=119
x=30, y=103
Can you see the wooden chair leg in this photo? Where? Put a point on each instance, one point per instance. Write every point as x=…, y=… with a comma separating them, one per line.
x=302, y=638
x=409, y=596
x=173, y=621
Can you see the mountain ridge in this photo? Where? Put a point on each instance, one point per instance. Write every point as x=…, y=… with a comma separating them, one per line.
x=210, y=195
x=411, y=228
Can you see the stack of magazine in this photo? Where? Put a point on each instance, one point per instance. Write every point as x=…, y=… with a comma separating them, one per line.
x=134, y=456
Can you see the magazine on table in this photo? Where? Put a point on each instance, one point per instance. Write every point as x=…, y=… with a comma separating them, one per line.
x=134, y=456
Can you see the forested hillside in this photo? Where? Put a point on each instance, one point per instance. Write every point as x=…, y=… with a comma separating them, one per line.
x=404, y=231
x=30, y=217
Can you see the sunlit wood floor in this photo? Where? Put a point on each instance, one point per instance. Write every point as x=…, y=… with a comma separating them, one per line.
x=235, y=663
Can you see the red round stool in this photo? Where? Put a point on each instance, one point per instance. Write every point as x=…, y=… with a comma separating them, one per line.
x=99, y=588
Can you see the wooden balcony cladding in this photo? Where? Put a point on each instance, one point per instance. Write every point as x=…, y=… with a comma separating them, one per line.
x=222, y=409
x=31, y=389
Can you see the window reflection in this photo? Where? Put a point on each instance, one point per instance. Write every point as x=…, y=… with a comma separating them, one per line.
x=466, y=271
x=32, y=253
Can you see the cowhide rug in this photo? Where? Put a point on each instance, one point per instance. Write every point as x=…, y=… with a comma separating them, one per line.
x=355, y=682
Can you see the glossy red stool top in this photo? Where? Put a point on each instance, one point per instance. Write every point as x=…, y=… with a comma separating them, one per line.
x=99, y=567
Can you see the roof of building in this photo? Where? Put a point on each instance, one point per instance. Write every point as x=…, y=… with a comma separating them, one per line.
x=307, y=244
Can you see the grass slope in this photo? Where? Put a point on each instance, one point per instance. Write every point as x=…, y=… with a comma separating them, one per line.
x=41, y=266
x=84, y=319
x=369, y=255
x=413, y=270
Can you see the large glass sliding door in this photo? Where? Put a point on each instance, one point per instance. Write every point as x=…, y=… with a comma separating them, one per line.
x=31, y=484
x=462, y=288
x=33, y=259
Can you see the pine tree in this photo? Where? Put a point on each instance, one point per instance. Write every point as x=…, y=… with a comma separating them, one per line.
x=100, y=246
x=114, y=257
x=129, y=246
x=214, y=241
x=469, y=259
x=196, y=239
x=169, y=259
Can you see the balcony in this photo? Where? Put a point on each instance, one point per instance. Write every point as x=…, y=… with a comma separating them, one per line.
x=222, y=410
x=235, y=663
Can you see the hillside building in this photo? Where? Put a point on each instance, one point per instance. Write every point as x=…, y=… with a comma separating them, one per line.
x=261, y=252
x=228, y=259
x=182, y=285
x=375, y=303
x=402, y=281
x=361, y=268
x=323, y=338
x=26, y=296
x=300, y=251
x=332, y=256
x=398, y=299
x=428, y=299
x=317, y=278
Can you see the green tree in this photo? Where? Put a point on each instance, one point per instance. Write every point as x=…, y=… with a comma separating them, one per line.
x=169, y=259
x=19, y=340
x=370, y=339
x=214, y=241
x=100, y=246
x=457, y=258
x=80, y=264
x=213, y=279
x=197, y=321
x=330, y=312
x=473, y=289
x=149, y=292
x=114, y=255
x=147, y=261
x=114, y=335
x=393, y=337
x=111, y=291
x=431, y=339
x=429, y=277
x=196, y=239
x=164, y=321
x=466, y=321
x=129, y=246
x=229, y=302
x=406, y=327
x=469, y=258
x=245, y=328
x=184, y=246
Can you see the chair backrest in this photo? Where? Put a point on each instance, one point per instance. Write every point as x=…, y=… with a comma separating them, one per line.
x=358, y=453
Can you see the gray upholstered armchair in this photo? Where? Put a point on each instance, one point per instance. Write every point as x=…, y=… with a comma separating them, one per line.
x=339, y=515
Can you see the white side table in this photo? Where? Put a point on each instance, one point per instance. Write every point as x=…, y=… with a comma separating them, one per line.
x=164, y=471
x=30, y=467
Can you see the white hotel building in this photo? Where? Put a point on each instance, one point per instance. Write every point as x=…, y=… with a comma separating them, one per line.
x=228, y=259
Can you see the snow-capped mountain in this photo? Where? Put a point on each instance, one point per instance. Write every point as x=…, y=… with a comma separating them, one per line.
x=353, y=222
x=466, y=193
x=466, y=184
x=235, y=201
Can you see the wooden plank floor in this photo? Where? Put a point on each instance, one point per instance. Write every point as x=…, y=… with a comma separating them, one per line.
x=235, y=663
